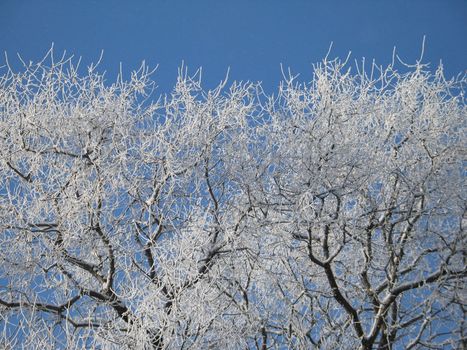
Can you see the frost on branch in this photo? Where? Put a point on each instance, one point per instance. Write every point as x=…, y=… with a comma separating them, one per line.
x=330, y=215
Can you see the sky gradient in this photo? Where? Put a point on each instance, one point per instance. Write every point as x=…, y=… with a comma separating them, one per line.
x=252, y=37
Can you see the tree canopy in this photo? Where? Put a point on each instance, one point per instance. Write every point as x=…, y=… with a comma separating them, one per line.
x=329, y=215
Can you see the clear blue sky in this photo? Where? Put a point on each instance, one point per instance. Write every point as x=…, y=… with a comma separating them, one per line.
x=252, y=37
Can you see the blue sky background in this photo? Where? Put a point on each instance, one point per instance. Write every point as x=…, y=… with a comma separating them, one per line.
x=252, y=37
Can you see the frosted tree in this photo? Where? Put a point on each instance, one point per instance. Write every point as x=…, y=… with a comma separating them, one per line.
x=330, y=215
x=367, y=196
